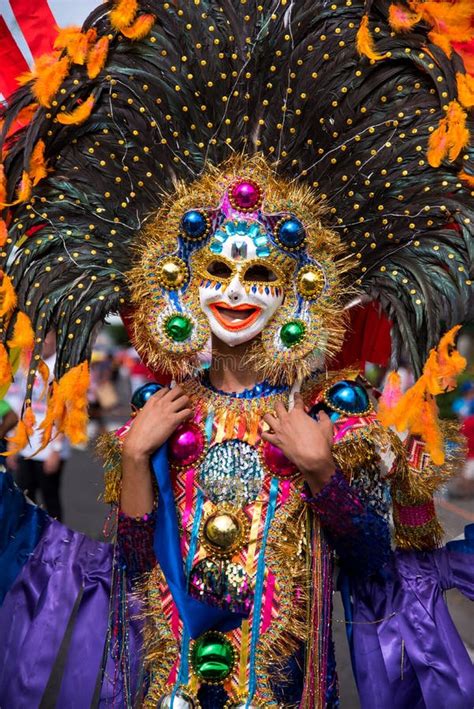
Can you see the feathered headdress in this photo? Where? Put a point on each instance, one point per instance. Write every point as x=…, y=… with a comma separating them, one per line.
x=368, y=104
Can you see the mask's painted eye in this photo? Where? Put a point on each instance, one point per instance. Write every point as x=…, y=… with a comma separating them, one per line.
x=194, y=224
x=259, y=273
x=290, y=233
x=219, y=269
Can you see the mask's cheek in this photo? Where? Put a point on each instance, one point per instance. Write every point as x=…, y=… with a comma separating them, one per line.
x=268, y=303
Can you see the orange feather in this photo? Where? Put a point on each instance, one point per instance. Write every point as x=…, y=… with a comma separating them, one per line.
x=7, y=296
x=97, y=57
x=75, y=42
x=450, y=137
x=442, y=41
x=24, y=188
x=140, y=28
x=3, y=233
x=79, y=114
x=401, y=19
x=365, y=42
x=50, y=73
x=123, y=14
x=3, y=185
x=468, y=179
x=6, y=374
x=38, y=167
x=465, y=85
x=23, y=335
x=19, y=440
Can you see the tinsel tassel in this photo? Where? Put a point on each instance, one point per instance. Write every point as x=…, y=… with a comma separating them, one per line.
x=123, y=14
x=77, y=115
x=38, y=168
x=365, y=42
x=97, y=57
x=140, y=28
x=23, y=335
x=7, y=295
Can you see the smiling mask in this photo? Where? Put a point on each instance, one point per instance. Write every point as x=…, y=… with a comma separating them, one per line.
x=242, y=254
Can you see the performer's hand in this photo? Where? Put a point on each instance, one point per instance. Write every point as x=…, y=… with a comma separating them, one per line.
x=304, y=441
x=156, y=421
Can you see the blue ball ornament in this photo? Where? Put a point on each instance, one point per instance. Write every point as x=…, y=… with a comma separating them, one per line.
x=194, y=224
x=322, y=406
x=349, y=397
x=143, y=393
x=291, y=233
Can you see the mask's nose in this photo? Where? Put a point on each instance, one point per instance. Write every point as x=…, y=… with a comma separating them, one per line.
x=234, y=290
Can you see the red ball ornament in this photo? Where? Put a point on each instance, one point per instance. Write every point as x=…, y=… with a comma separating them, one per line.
x=245, y=196
x=186, y=445
x=276, y=462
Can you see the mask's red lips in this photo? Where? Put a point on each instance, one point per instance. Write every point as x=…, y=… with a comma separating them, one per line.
x=235, y=317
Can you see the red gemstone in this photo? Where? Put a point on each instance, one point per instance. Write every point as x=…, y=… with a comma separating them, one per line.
x=245, y=195
x=276, y=461
x=186, y=444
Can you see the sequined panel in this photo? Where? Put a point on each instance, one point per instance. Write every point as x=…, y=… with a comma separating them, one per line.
x=231, y=472
x=223, y=584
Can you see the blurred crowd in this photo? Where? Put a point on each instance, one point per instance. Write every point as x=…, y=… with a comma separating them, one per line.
x=117, y=371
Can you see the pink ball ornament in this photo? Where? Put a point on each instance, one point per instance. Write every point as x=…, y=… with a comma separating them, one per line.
x=186, y=444
x=245, y=196
x=276, y=461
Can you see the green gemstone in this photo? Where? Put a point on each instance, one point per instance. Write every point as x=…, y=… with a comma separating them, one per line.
x=212, y=657
x=292, y=333
x=178, y=328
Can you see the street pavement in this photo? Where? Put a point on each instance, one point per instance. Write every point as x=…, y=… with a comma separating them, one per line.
x=83, y=485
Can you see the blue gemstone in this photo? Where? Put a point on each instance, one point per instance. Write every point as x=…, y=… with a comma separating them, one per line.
x=348, y=396
x=143, y=393
x=333, y=415
x=194, y=224
x=291, y=233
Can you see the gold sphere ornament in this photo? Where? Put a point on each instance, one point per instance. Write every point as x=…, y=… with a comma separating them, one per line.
x=172, y=273
x=311, y=281
x=224, y=531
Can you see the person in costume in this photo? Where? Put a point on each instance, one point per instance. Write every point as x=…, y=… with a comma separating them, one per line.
x=246, y=175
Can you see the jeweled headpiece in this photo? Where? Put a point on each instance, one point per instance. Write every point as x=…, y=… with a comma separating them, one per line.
x=366, y=105
x=238, y=221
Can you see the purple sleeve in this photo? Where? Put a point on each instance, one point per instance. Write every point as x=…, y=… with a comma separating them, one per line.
x=135, y=542
x=359, y=535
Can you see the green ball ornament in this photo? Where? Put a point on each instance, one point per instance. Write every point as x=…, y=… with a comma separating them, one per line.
x=212, y=657
x=292, y=333
x=178, y=328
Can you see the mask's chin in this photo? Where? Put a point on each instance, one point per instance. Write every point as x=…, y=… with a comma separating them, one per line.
x=236, y=331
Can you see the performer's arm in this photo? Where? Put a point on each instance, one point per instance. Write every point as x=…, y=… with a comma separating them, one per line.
x=360, y=536
x=153, y=425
